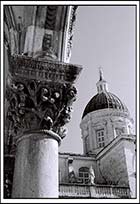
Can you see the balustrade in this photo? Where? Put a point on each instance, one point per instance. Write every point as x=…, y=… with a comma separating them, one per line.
x=74, y=191
x=100, y=191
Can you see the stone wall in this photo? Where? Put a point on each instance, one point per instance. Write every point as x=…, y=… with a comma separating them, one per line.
x=130, y=154
x=114, y=161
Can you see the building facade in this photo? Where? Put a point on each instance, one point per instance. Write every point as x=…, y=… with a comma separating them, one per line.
x=106, y=169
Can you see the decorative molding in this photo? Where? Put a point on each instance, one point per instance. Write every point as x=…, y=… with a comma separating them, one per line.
x=30, y=68
x=105, y=113
x=39, y=135
x=70, y=32
x=50, y=20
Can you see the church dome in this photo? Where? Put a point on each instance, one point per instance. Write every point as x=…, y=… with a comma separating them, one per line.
x=104, y=99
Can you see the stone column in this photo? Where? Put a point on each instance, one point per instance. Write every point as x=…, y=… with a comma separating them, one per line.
x=40, y=96
x=40, y=92
x=36, y=166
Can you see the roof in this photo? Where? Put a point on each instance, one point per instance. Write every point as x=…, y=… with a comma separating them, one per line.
x=104, y=100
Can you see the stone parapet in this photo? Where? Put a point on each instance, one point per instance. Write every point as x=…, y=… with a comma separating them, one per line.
x=93, y=191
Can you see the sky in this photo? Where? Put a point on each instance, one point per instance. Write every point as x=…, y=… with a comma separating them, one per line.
x=103, y=36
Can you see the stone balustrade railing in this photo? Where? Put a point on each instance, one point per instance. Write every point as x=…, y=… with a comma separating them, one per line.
x=92, y=191
x=70, y=190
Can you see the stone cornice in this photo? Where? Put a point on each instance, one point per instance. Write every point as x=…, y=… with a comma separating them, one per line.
x=76, y=156
x=44, y=70
x=108, y=112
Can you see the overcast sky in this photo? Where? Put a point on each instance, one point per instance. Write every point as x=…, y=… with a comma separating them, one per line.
x=103, y=36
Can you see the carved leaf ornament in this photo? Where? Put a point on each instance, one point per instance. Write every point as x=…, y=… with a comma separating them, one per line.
x=36, y=104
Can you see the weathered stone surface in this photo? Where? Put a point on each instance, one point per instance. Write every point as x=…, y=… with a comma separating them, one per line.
x=39, y=69
x=36, y=167
x=113, y=162
x=37, y=31
x=8, y=175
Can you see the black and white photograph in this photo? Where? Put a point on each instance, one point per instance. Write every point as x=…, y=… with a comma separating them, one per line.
x=69, y=101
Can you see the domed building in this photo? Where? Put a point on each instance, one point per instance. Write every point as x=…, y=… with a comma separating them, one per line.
x=106, y=169
x=105, y=117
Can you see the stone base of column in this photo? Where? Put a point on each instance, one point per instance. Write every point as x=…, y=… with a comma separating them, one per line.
x=36, y=166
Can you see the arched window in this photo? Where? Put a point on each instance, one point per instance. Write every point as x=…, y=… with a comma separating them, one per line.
x=84, y=174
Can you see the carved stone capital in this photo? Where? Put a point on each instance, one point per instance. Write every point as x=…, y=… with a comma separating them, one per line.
x=40, y=95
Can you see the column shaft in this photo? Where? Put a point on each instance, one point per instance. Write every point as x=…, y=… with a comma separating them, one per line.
x=36, y=168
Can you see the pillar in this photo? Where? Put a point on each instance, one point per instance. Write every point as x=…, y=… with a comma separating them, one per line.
x=36, y=166
x=40, y=92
